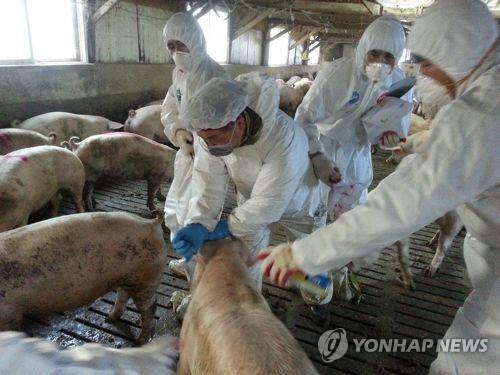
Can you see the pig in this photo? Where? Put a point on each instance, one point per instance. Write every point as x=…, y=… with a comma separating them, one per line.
x=291, y=81
x=154, y=102
x=67, y=262
x=407, y=147
x=21, y=354
x=290, y=99
x=123, y=155
x=418, y=124
x=303, y=86
x=32, y=177
x=228, y=327
x=15, y=139
x=146, y=121
x=66, y=125
x=449, y=225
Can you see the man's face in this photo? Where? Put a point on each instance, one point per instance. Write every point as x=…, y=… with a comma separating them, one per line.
x=222, y=136
x=176, y=46
x=379, y=56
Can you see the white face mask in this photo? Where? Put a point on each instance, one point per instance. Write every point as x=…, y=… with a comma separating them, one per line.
x=378, y=72
x=182, y=60
x=431, y=92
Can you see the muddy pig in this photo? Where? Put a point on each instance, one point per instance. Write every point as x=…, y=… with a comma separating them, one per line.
x=68, y=262
x=124, y=155
x=228, y=327
x=15, y=139
x=66, y=125
x=146, y=121
x=32, y=177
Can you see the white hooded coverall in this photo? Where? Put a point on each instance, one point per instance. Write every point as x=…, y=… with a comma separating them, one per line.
x=331, y=112
x=457, y=166
x=273, y=177
x=23, y=355
x=183, y=27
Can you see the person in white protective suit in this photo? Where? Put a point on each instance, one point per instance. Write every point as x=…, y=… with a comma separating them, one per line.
x=456, y=43
x=186, y=44
x=23, y=355
x=244, y=136
x=332, y=109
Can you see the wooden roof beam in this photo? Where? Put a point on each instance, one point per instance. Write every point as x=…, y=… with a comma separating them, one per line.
x=103, y=9
x=303, y=38
x=258, y=18
x=282, y=32
x=372, y=7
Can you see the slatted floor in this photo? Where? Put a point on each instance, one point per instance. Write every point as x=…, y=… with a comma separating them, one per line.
x=386, y=310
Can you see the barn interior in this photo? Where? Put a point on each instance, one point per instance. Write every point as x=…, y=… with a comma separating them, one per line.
x=107, y=57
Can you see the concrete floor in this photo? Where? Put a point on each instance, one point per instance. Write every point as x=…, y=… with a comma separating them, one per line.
x=385, y=311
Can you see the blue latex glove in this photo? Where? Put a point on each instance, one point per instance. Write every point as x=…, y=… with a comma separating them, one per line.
x=189, y=240
x=221, y=231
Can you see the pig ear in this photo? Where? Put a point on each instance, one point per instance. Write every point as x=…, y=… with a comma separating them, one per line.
x=131, y=113
x=115, y=125
x=53, y=137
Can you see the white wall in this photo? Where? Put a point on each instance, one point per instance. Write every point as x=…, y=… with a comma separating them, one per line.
x=131, y=33
x=247, y=49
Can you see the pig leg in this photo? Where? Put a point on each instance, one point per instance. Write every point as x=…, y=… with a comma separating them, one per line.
x=449, y=226
x=88, y=192
x=146, y=304
x=403, y=260
x=434, y=239
x=55, y=202
x=153, y=188
x=119, y=307
x=76, y=195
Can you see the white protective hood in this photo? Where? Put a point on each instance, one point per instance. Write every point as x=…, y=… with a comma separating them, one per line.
x=386, y=34
x=184, y=28
x=460, y=40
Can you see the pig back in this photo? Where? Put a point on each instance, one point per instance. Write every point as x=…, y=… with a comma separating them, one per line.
x=66, y=125
x=69, y=261
x=15, y=139
x=125, y=155
x=35, y=174
x=146, y=121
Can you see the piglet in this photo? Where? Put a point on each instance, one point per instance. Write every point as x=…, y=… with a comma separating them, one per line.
x=228, y=327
